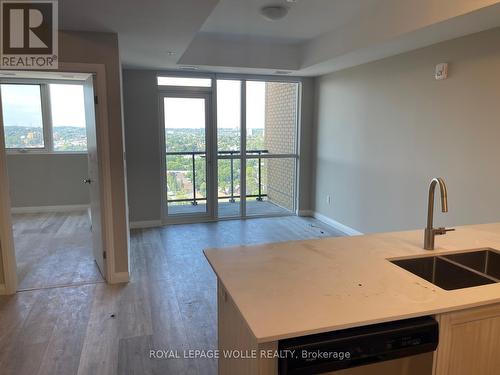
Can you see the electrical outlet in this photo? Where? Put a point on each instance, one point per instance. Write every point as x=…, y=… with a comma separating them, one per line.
x=328, y=199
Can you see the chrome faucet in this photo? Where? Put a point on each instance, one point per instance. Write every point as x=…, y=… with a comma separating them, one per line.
x=431, y=232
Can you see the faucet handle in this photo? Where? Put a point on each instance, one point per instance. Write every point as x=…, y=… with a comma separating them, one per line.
x=442, y=230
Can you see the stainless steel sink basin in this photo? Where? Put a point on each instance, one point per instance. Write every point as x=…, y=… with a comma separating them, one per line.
x=486, y=261
x=456, y=271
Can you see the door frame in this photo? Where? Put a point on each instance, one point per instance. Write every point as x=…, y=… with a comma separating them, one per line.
x=102, y=131
x=196, y=93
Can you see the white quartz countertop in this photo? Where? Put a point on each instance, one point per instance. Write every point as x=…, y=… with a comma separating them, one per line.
x=297, y=288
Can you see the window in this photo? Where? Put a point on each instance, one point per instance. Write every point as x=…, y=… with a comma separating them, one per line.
x=184, y=81
x=264, y=151
x=271, y=130
x=44, y=117
x=22, y=116
x=68, y=117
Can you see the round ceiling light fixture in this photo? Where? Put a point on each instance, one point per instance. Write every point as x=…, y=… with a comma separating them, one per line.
x=273, y=12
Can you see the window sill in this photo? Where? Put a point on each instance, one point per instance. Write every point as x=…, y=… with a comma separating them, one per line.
x=40, y=152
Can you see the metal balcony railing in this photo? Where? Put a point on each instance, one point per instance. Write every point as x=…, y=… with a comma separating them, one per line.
x=232, y=197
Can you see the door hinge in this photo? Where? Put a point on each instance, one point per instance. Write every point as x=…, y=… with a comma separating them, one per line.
x=96, y=100
x=103, y=255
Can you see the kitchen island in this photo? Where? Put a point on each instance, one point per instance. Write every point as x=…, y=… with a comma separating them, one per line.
x=272, y=292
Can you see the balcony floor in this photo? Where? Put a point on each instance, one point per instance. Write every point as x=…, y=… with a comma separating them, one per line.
x=227, y=209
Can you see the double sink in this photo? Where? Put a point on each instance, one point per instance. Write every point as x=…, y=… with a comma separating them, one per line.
x=458, y=270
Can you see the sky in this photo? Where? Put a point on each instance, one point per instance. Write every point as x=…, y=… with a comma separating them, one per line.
x=68, y=107
x=21, y=105
x=189, y=113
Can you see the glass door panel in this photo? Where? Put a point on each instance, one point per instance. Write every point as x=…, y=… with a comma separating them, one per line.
x=185, y=120
x=229, y=184
x=271, y=147
x=270, y=186
x=228, y=147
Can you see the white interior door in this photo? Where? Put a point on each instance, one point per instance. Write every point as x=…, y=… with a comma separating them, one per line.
x=93, y=175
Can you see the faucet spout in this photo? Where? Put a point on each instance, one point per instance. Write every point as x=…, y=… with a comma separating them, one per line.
x=431, y=232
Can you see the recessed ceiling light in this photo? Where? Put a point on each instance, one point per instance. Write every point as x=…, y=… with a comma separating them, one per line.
x=171, y=53
x=188, y=67
x=273, y=12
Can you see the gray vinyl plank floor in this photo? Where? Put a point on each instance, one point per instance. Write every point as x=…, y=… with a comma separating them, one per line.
x=228, y=209
x=54, y=249
x=169, y=304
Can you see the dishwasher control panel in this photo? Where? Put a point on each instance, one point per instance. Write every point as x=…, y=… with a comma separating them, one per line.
x=331, y=351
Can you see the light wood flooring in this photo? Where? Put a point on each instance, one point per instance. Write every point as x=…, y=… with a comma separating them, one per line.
x=54, y=249
x=170, y=304
x=227, y=209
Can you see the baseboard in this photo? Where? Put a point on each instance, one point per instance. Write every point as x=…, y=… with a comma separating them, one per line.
x=44, y=209
x=145, y=224
x=307, y=213
x=119, y=277
x=338, y=226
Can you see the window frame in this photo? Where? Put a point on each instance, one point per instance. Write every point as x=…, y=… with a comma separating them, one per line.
x=47, y=125
x=208, y=80
x=243, y=156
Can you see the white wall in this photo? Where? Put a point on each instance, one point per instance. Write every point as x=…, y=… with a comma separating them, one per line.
x=38, y=180
x=102, y=48
x=385, y=128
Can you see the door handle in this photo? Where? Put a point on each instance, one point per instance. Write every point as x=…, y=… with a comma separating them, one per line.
x=87, y=181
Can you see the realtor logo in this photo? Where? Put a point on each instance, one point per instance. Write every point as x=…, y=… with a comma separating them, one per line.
x=29, y=37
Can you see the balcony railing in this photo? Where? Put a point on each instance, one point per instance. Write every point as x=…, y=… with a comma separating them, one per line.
x=232, y=197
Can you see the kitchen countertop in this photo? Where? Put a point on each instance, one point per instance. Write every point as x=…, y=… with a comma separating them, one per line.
x=297, y=288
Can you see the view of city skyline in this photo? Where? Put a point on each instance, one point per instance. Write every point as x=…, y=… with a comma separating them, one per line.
x=186, y=113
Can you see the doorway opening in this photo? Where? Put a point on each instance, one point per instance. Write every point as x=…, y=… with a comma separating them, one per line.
x=49, y=128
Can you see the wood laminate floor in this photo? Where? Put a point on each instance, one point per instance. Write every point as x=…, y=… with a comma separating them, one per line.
x=54, y=249
x=227, y=209
x=170, y=304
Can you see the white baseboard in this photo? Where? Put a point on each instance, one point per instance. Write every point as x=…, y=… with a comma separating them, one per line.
x=307, y=213
x=44, y=209
x=119, y=277
x=145, y=224
x=335, y=224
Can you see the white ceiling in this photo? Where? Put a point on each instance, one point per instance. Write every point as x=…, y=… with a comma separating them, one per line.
x=147, y=29
x=306, y=19
x=316, y=37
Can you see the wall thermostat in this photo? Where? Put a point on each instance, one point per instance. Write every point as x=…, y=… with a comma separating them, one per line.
x=441, y=71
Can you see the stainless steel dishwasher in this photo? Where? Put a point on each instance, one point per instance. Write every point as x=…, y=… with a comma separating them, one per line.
x=399, y=347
